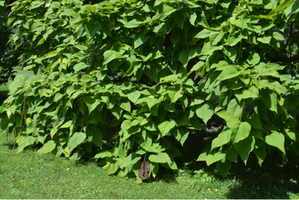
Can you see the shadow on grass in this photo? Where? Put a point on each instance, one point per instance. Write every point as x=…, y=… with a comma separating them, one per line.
x=271, y=181
x=8, y=141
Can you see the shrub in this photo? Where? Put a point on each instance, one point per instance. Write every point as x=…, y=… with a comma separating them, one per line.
x=114, y=79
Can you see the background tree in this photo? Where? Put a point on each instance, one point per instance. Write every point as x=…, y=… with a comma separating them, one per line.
x=9, y=57
x=288, y=53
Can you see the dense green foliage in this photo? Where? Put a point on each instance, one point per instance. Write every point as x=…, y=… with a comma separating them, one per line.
x=8, y=55
x=115, y=79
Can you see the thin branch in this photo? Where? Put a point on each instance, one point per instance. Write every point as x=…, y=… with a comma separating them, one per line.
x=290, y=35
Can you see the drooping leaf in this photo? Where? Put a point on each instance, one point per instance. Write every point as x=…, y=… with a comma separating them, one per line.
x=269, y=98
x=292, y=9
x=260, y=154
x=222, y=139
x=30, y=140
x=97, y=137
x=48, y=147
x=245, y=147
x=76, y=139
x=160, y=158
x=223, y=167
x=252, y=92
x=184, y=57
x=242, y=132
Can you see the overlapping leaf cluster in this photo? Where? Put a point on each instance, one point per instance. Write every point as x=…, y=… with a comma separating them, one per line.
x=114, y=79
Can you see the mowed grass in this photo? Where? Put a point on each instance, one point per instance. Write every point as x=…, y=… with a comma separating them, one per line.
x=30, y=175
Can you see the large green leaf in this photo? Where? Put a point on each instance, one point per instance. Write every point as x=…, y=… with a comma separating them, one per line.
x=133, y=23
x=260, y=154
x=245, y=147
x=276, y=10
x=80, y=66
x=134, y=96
x=229, y=72
x=212, y=158
x=76, y=139
x=140, y=40
x=205, y=33
x=110, y=55
x=293, y=9
x=223, y=167
x=252, y=92
x=166, y=126
x=160, y=158
x=130, y=160
x=181, y=134
x=48, y=147
x=126, y=105
x=269, y=98
x=111, y=167
x=205, y=112
x=242, y=132
x=253, y=58
x=222, y=139
x=265, y=39
x=184, y=57
x=97, y=137
x=92, y=27
x=29, y=140
x=276, y=139
x=18, y=82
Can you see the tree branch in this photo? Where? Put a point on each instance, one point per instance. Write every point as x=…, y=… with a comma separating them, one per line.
x=285, y=59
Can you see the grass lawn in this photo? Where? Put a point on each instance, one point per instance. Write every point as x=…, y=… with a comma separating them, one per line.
x=30, y=175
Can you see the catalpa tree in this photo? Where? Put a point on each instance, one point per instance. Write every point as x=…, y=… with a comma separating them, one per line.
x=115, y=80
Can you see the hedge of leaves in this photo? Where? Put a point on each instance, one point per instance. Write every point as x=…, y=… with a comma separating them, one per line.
x=114, y=79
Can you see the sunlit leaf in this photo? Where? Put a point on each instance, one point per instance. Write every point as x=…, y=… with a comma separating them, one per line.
x=276, y=139
x=166, y=126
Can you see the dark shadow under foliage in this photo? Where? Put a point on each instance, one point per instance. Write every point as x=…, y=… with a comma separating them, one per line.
x=271, y=181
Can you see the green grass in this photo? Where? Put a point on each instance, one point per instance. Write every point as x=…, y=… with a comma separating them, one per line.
x=30, y=175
